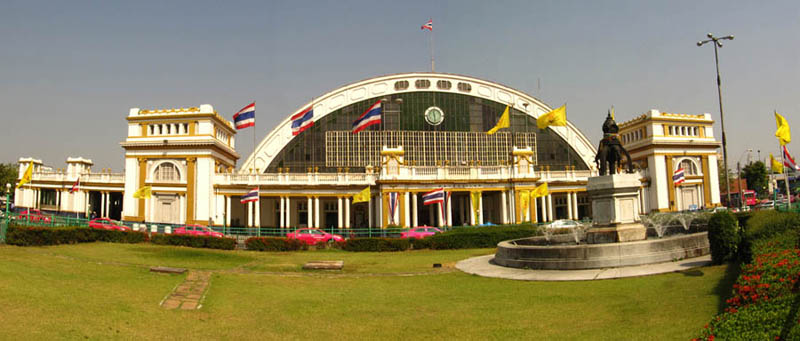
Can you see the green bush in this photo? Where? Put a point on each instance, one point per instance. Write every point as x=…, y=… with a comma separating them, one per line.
x=38, y=236
x=756, y=322
x=419, y=244
x=194, y=241
x=274, y=244
x=723, y=237
x=375, y=244
x=479, y=237
x=766, y=223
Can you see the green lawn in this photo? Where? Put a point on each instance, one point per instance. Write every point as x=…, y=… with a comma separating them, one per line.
x=105, y=291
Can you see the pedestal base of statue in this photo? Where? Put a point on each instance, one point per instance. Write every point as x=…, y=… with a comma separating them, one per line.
x=615, y=209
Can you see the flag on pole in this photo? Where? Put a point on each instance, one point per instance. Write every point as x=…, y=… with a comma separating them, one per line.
x=143, y=192
x=302, y=120
x=524, y=200
x=251, y=196
x=392, y=206
x=428, y=25
x=245, y=117
x=775, y=164
x=557, y=117
x=370, y=117
x=540, y=191
x=783, y=133
x=788, y=160
x=504, y=122
x=475, y=196
x=362, y=196
x=434, y=196
x=75, y=186
x=26, y=177
x=678, y=177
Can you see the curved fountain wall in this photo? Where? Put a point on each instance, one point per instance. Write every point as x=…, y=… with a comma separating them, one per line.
x=530, y=253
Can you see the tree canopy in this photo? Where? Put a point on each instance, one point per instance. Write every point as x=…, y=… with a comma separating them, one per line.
x=756, y=175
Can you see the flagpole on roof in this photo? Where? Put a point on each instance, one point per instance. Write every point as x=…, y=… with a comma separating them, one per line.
x=433, y=61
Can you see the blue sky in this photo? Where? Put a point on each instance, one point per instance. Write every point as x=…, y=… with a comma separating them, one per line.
x=70, y=70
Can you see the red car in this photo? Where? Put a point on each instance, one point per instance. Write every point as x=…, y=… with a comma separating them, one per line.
x=420, y=232
x=107, y=224
x=34, y=216
x=313, y=236
x=197, y=230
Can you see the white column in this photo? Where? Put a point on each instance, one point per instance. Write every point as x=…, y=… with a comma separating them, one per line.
x=569, y=206
x=347, y=212
x=249, y=214
x=86, y=204
x=549, y=207
x=414, y=210
x=575, y=205
x=227, y=210
x=370, y=213
x=108, y=204
x=288, y=212
x=480, y=209
x=310, y=212
x=182, y=208
x=280, y=212
x=534, y=209
x=316, y=212
x=449, y=210
x=512, y=205
x=339, y=211
x=439, y=213
x=257, y=213
x=102, y=205
x=58, y=199
x=471, y=210
x=380, y=210
x=503, y=207
x=406, y=211
x=544, y=209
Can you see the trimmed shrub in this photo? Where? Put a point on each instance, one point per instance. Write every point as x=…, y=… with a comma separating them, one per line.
x=766, y=223
x=723, y=237
x=38, y=236
x=419, y=244
x=375, y=244
x=206, y=242
x=480, y=237
x=274, y=244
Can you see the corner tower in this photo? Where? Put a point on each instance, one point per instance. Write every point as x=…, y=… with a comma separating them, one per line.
x=176, y=152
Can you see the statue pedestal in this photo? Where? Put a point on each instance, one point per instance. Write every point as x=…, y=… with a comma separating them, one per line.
x=615, y=209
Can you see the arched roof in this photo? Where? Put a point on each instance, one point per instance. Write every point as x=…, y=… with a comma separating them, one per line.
x=275, y=141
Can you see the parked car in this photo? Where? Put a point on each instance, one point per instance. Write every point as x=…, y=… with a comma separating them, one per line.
x=197, y=230
x=765, y=204
x=312, y=236
x=107, y=224
x=34, y=216
x=563, y=224
x=420, y=232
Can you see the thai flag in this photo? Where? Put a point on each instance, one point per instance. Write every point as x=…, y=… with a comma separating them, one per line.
x=678, y=177
x=428, y=25
x=251, y=196
x=368, y=118
x=245, y=117
x=303, y=120
x=392, y=206
x=434, y=196
x=75, y=186
x=788, y=160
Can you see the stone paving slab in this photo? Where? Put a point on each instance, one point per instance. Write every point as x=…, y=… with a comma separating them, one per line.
x=324, y=265
x=484, y=267
x=166, y=269
x=189, y=294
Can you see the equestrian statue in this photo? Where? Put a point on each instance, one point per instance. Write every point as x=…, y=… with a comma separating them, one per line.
x=610, y=151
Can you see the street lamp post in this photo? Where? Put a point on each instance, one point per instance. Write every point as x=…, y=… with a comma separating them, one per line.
x=718, y=44
x=8, y=216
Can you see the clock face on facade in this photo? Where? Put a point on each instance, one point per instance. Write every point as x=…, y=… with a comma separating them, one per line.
x=434, y=116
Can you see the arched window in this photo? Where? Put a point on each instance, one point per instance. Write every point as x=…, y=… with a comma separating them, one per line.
x=167, y=172
x=689, y=167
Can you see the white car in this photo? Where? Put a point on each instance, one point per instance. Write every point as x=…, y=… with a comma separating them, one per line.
x=563, y=224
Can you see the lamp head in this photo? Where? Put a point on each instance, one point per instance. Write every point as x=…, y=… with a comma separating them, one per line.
x=710, y=35
x=699, y=43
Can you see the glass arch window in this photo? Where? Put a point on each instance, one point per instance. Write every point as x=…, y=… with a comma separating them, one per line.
x=689, y=167
x=167, y=172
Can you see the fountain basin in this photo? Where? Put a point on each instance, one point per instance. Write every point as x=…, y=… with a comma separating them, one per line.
x=531, y=253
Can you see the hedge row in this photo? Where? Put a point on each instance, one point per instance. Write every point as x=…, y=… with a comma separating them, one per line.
x=481, y=237
x=375, y=244
x=763, y=304
x=39, y=236
x=194, y=241
x=274, y=244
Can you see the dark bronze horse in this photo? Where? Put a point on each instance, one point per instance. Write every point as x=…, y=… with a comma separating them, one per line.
x=610, y=151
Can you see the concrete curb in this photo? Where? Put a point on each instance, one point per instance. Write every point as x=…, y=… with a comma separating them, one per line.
x=484, y=267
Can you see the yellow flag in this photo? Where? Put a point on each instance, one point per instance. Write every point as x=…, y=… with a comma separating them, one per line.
x=26, y=178
x=504, y=122
x=783, y=133
x=557, y=117
x=776, y=166
x=362, y=196
x=476, y=203
x=540, y=191
x=143, y=193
